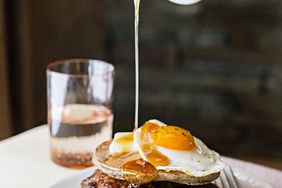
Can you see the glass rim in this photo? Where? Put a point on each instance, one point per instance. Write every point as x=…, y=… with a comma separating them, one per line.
x=79, y=61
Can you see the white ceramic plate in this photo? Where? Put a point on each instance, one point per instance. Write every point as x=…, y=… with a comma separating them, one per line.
x=245, y=180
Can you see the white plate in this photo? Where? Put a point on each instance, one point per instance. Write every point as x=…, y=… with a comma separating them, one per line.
x=245, y=180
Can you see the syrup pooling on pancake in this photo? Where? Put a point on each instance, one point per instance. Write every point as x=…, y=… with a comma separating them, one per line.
x=140, y=166
x=145, y=171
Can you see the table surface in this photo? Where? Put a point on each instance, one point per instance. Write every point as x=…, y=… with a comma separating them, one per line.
x=25, y=162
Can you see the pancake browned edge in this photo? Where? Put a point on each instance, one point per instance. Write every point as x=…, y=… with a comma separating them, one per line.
x=102, y=159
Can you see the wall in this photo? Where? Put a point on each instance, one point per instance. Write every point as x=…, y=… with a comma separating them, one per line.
x=5, y=126
x=214, y=68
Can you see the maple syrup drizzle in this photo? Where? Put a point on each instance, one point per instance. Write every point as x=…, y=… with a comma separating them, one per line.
x=149, y=149
x=136, y=22
x=125, y=139
x=154, y=156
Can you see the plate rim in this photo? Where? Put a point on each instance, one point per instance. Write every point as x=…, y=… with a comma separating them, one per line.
x=251, y=176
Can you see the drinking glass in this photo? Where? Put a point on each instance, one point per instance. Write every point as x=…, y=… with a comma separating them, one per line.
x=80, y=113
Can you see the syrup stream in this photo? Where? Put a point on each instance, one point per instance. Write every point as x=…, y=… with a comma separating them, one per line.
x=136, y=22
x=136, y=5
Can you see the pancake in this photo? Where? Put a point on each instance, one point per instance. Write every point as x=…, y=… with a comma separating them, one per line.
x=112, y=166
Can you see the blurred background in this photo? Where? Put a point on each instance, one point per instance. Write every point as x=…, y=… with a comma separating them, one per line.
x=214, y=68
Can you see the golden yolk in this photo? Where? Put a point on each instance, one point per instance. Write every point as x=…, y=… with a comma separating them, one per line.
x=175, y=138
x=170, y=137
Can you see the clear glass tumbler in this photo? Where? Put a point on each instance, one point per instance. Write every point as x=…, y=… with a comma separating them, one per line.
x=79, y=109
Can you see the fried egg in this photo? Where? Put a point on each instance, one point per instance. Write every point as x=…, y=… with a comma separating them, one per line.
x=169, y=148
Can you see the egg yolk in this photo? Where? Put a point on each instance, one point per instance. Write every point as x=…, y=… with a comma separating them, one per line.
x=169, y=137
